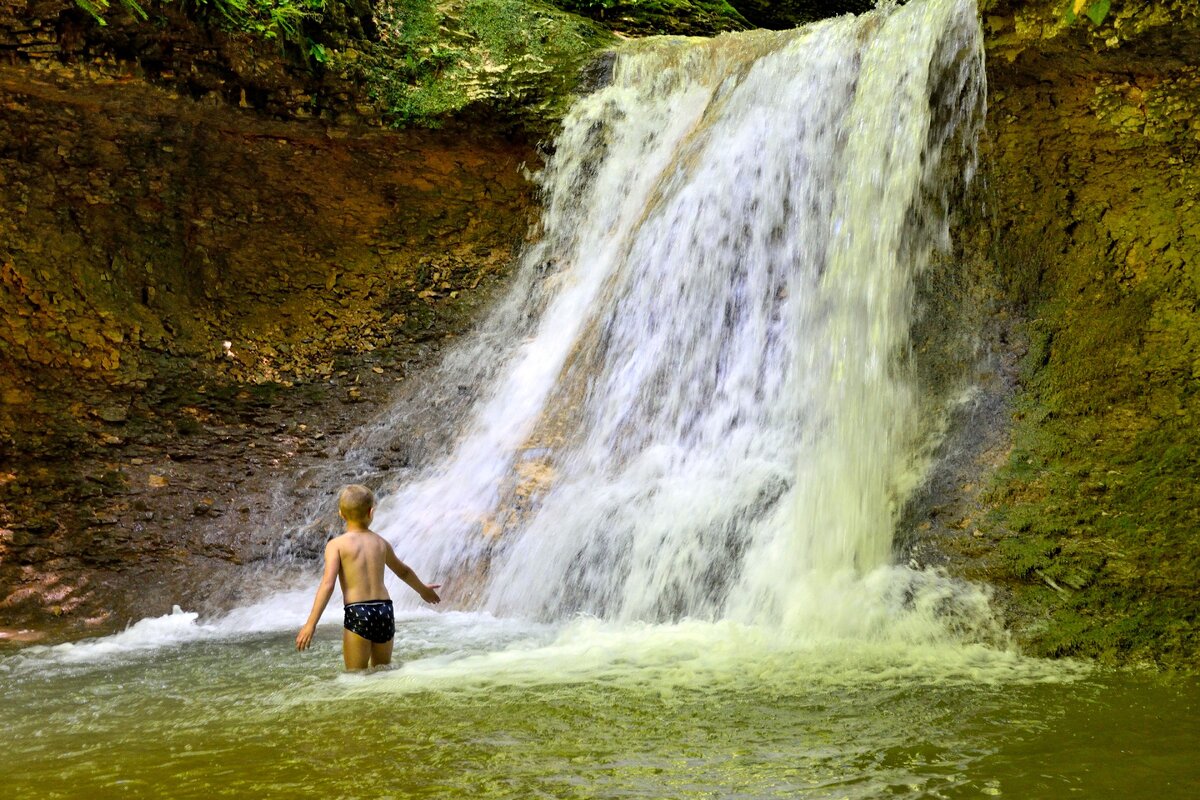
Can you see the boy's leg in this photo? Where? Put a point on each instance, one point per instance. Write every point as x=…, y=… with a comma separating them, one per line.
x=356, y=651
x=381, y=653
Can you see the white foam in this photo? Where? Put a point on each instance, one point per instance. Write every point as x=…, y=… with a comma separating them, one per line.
x=279, y=612
x=147, y=634
x=704, y=656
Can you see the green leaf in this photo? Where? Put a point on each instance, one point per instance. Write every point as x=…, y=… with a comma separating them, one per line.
x=136, y=9
x=96, y=9
x=1097, y=11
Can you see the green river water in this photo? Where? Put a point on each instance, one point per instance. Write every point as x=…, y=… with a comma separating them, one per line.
x=476, y=707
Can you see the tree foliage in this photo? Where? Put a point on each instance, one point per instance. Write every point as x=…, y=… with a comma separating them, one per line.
x=98, y=8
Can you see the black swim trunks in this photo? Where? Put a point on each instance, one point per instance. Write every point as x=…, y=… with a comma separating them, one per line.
x=372, y=619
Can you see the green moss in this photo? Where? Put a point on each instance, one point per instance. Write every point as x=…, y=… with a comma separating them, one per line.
x=1118, y=628
x=1024, y=555
x=438, y=59
x=1096, y=512
x=1102, y=507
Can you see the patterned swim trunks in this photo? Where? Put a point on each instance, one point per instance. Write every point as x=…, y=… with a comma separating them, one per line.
x=371, y=619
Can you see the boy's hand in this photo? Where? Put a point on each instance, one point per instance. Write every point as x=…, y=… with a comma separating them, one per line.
x=429, y=595
x=304, y=637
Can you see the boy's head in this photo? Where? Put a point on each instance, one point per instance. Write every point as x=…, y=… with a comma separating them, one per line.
x=355, y=504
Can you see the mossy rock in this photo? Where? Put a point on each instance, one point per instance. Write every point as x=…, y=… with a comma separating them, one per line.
x=435, y=61
x=1038, y=28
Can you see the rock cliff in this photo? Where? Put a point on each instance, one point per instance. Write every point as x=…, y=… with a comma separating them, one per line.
x=1079, y=498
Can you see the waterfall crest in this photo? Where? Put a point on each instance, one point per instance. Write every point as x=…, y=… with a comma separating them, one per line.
x=697, y=401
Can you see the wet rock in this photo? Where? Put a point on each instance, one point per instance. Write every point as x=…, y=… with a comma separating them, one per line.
x=112, y=413
x=16, y=538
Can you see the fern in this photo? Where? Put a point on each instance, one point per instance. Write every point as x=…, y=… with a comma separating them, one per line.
x=270, y=19
x=96, y=9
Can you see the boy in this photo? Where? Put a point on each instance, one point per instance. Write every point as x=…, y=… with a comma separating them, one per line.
x=356, y=559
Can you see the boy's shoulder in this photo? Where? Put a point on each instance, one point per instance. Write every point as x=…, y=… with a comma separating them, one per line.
x=338, y=541
x=349, y=536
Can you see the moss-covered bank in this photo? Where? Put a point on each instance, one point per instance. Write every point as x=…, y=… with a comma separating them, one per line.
x=1091, y=524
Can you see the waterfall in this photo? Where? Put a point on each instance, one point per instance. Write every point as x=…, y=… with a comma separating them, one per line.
x=697, y=400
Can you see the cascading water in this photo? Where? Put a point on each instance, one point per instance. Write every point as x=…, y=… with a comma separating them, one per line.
x=697, y=401
x=708, y=411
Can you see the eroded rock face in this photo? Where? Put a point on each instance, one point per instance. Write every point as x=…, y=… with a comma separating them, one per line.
x=142, y=228
x=196, y=55
x=1037, y=32
x=187, y=282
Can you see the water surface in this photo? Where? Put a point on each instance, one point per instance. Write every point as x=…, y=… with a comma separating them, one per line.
x=481, y=707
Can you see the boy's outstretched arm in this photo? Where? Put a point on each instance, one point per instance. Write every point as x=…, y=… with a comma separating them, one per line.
x=405, y=573
x=333, y=563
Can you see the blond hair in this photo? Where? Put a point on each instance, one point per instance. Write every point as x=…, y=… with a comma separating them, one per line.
x=355, y=503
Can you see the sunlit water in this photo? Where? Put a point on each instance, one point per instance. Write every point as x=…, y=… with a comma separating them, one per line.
x=661, y=485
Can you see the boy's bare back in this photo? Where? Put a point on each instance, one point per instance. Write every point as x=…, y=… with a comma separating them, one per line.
x=361, y=556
